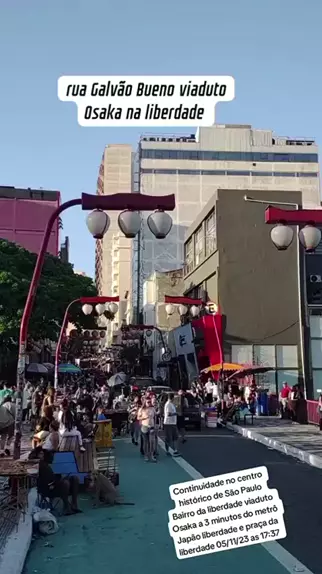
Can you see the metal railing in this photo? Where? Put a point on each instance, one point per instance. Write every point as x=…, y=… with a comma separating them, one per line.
x=313, y=416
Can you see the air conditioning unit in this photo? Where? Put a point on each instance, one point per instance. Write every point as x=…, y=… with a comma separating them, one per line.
x=315, y=279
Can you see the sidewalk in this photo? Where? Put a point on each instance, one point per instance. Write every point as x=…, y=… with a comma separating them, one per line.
x=16, y=530
x=303, y=442
x=134, y=538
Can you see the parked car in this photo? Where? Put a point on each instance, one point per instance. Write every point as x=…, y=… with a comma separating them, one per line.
x=192, y=415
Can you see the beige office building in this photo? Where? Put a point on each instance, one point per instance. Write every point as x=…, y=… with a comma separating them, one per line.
x=221, y=156
x=113, y=253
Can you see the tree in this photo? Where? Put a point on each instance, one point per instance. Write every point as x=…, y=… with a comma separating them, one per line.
x=59, y=285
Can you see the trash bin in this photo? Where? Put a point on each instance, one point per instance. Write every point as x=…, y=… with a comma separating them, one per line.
x=263, y=403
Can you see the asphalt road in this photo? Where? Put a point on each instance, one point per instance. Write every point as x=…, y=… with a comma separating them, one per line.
x=299, y=485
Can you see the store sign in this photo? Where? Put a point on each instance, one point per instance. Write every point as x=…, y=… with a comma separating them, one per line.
x=212, y=308
x=183, y=337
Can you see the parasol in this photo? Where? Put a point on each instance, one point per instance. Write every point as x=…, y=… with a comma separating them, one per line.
x=49, y=366
x=69, y=368
x=118, y=379
x=37, y=369
x=225, y=367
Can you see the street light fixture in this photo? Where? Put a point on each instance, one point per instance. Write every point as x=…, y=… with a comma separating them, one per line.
x=98, y=223
x=170, y=309
x=129, y=223
x=182, y=310
x=195, y=311
x=100, y=308
x=112, y=308
x=87, y=309
x=159, y=223
x=282, y=236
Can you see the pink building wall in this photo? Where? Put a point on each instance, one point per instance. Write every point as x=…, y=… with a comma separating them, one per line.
x=23, y=221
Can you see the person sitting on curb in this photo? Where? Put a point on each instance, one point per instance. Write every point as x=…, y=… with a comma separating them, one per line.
x=53, y=486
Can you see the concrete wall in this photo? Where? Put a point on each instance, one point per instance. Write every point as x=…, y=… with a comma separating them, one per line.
x=257, y=284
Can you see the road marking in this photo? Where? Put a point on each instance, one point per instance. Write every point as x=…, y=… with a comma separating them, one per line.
x=285, y=558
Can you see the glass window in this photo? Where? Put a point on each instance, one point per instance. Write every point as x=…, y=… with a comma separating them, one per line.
x=264, y=355
x=238, y=173
x=188, y=249
x=316, y=326
x=287, y=356
x=229, y=156
x=199, y=245
x=316, y=353
x=291, y=377
x=317, y=383
x=210, y=231
x=267, y=381
x=242, y=354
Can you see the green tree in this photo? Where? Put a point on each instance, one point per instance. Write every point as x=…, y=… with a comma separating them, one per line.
x=59, y=285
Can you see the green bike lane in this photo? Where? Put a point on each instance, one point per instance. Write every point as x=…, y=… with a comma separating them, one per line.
x=130, y=538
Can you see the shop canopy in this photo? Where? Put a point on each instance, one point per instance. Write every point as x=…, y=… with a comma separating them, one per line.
x=225, y=367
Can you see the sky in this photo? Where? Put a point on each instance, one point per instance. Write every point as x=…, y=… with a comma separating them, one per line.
x=273, y=49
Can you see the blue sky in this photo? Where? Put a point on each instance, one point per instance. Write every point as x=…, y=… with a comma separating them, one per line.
x=273, y=49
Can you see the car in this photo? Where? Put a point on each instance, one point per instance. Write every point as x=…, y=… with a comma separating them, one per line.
x=192, y=414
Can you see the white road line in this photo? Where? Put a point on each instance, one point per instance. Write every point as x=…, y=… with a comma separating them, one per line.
x=285, y=558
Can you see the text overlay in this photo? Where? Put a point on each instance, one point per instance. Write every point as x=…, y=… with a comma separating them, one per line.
x=225, y=512
x=157, y=101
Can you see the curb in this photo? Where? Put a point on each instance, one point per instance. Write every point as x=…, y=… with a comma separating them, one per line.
x=14, y=553
x=302, y=455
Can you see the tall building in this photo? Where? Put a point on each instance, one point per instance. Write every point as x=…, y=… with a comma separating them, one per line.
x=113, y=267
x=24, y=214
x=260, y=291
x=220, y=156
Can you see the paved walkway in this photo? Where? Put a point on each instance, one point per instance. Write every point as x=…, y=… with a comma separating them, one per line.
x=128, y=538
x=301, y=441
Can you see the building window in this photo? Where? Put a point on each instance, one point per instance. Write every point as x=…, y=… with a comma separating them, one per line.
x=210, y=231
x=316, y=353
x=242, y=354
x=221, y=172
x=188, y=248
x=196, y=155
x=199, y=245
x=282, y=360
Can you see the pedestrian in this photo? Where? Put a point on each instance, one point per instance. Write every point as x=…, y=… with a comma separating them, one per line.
x=133, y=410
x=26, y=402
x=284, y=397
x=7, y=425
x=170, y=426
x=181, y=405
x=146, y=416
x=209, y=391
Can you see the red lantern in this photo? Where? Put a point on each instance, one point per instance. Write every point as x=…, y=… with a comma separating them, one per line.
x=95, y=334
x=86, y=334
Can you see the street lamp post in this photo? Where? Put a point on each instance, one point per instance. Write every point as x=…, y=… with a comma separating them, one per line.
x=98, y=223
x=85, y=301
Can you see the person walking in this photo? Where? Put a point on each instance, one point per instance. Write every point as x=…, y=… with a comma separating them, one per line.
x=181, y=404
x=209, y=392
x=133, y=410
x=146, y=416
x=170, y=426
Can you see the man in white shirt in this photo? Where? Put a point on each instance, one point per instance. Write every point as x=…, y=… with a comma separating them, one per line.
x=170, y=426
x=209, y=390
